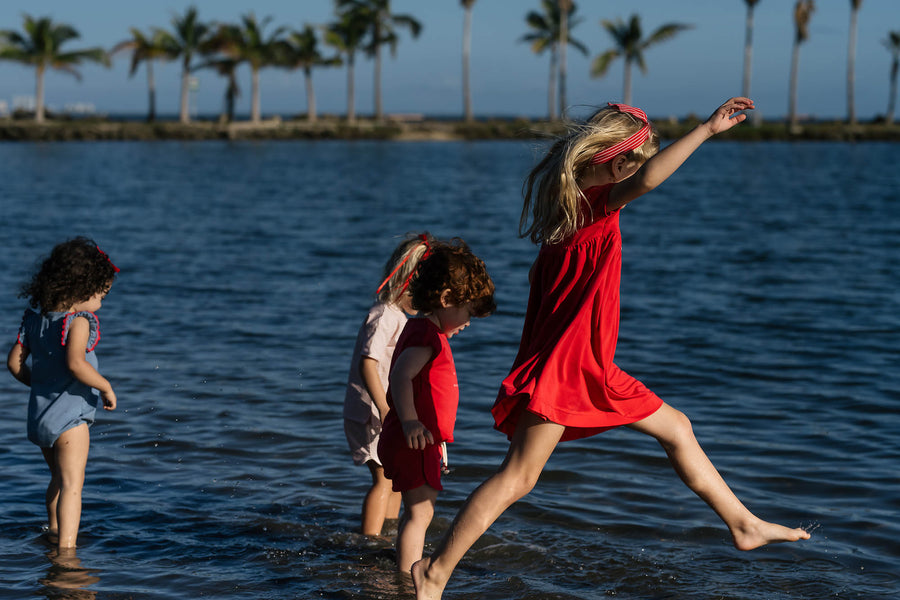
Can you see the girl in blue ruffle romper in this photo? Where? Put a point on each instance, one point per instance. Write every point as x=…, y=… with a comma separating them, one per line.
x=59, y=332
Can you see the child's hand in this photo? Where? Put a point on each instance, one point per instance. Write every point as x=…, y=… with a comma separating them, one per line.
x=109, y=400
x=725, y=116
x=417, y=436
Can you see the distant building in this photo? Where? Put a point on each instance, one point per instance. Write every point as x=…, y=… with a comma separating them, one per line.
x=80, y=108
x=23, y=103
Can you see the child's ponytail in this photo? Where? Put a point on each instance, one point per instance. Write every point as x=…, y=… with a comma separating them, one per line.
x=401, y=266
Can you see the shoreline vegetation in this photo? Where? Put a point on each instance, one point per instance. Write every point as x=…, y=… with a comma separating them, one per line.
x=400, y=128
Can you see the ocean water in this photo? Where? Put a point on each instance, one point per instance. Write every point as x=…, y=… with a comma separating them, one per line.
x=760, y=296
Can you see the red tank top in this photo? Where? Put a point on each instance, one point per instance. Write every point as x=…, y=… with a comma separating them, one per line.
x=435, y=388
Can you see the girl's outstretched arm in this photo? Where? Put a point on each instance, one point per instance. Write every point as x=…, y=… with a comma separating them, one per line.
x=81, y=369
x=410, y=362
x=660, y=167
x=15, y=362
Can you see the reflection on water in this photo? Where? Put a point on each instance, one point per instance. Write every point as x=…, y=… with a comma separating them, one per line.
x=66, y=578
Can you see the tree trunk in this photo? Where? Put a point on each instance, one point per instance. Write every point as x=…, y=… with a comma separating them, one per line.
x=310, y=96
x=626, y=85
x=351, y=110
x=792, y=103
x=379, y=113
x=551, y=94
x=851, y=68
x=39, y=94
x=563, y=39
x=185, y=85
x=254, y=101
x=230, y=94
x=151, y=92
x=467, y=49
x=892, y=95
x=748, y=52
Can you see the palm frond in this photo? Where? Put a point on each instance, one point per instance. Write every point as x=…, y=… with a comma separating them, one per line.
x=600, y=65
x=664, y=32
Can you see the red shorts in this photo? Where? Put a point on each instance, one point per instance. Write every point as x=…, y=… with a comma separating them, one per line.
x=407, y=468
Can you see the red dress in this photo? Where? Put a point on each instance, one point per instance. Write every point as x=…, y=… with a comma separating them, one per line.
x=564, y=371
x=436, y=398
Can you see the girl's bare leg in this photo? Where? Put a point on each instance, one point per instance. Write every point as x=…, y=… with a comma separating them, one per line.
x=417, y=514
x=673, y=431
x=531, y=447
x=381, y=501
x=52, y=496
x=71, y=452
x=393, y=505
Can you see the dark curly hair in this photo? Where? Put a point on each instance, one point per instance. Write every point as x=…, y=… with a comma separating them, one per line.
x=452, y=266
x=75, y=271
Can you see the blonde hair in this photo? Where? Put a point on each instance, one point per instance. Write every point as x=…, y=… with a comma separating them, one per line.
x=399, y=268
x=553, y=199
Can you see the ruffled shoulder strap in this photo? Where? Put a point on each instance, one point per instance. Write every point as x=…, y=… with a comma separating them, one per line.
x=93, y=322
x=21, y=337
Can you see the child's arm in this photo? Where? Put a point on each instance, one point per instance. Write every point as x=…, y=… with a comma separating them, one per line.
x=81, y=369
x=660, y=167
x=15, y=362
x=368, y=370
x=410, y=362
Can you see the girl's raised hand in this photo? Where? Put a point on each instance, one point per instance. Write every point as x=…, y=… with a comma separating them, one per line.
x=417, y=436
x=728, y=115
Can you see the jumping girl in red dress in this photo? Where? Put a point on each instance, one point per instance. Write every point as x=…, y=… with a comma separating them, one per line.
x=450, y=286
x=564, y=384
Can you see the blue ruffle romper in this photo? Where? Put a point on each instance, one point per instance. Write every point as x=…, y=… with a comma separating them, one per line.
x=58, y=401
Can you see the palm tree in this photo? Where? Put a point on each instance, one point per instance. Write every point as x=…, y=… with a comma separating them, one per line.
x=851, y=61
x=189, y=37
x=748, y=47
x=546, y=33
x=346, y=35
x=300, y=51
x=247, y=43
x=803, y=11
x=227, y=68
x=467, y=50
x=893, y=45
x=631, y=45
x=145, y=49
x=381, y=29
x=41, y=46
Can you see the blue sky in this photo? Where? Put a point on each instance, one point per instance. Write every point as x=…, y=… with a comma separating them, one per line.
x=691, y=73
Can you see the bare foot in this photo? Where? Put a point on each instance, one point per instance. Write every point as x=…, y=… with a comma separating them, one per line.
x=424, y=589
x=759, y=533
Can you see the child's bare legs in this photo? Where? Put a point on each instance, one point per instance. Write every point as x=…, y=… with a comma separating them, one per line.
x=52, y=496
x=529, y=450
x=381, y=501
x=67, y=461
x=673, y=431
x=417, y=513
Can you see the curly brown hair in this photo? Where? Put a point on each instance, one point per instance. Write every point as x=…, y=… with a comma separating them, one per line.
x=75, y=271
x=452, y=266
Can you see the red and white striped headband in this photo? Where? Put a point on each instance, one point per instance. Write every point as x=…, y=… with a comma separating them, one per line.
x=635, y=140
